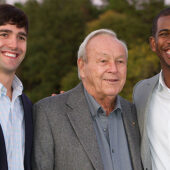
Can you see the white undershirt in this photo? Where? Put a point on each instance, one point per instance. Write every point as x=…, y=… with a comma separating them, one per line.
x=158, y=126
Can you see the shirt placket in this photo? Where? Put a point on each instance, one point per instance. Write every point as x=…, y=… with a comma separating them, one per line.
x=113, y=136
x=10, y=135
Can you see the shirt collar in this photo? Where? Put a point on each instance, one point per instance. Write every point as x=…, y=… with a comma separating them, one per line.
x=95, y=108
x=16, y=85
x=3, y=90
x=161, y=84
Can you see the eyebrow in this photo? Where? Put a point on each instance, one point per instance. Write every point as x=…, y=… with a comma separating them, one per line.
x=9, y=31
x=23, y=34
x=5, y=30
x=164, y=30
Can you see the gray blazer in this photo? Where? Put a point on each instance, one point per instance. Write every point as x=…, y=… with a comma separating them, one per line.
x=141, y=96
x=64, y=136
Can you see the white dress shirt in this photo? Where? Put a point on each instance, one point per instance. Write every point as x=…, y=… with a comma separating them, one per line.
x=158, y=126
x=12, y=123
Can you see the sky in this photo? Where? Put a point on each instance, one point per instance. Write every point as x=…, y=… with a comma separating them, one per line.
x=95, y=1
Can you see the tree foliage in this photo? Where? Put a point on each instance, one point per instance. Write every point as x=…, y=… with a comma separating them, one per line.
x=57, y=27
x=56, y=30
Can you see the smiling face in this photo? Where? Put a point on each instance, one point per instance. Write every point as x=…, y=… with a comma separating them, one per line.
x=104, y=73
x=12, y=47
x=160, y=44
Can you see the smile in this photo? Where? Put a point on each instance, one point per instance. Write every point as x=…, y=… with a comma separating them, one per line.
x=111, y=80
x=8, y=54
x=168, y=52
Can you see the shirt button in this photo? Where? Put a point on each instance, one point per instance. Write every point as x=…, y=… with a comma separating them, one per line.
x=104, y=129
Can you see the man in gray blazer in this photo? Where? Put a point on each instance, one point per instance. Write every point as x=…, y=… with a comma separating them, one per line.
x=90, y=127
x=152, y=96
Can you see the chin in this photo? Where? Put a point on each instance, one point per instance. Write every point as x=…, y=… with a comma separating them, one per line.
x=112, y=93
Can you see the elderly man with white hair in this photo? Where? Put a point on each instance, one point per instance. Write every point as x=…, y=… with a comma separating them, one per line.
x=90, y=127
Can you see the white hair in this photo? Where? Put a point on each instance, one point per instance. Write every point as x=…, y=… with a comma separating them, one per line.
x=82, y=48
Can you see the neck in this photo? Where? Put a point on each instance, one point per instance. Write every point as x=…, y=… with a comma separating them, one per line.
x=107, y=104
x=166, y=76
x=7, y=80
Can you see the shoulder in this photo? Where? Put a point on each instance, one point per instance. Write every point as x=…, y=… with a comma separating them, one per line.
x=26, y=100
x=143, y=83
x=123, y=101
x=144, y=87
x=128, y=109
x=126, y=105
x=59, y=100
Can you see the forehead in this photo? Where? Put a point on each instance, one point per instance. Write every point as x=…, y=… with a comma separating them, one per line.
x=105, y=42
x=163, y=23
x=12, y=28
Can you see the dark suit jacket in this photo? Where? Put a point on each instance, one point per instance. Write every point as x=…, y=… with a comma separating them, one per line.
x=27, y=105
x=64, y=136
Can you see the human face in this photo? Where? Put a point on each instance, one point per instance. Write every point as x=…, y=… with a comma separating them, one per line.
x=104, y=73
x=160, y=44
x=12, y=47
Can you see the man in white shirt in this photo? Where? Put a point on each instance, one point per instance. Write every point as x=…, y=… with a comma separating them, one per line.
x=152, y=100
x=15, y=107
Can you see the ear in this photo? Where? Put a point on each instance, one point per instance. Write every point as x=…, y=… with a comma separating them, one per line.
x=152, y=42
x=81, y=63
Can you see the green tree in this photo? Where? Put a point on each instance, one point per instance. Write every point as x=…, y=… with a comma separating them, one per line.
x=142, y=63
x=134, y=28
x=56, y=30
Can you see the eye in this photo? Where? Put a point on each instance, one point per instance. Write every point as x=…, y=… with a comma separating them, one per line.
x=120, y=61
x=164, y=34
x=4, y=35
x=22, y=38
x=103, y=61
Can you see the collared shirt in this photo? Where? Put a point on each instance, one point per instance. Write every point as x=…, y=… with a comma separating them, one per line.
x=158, y=126
x=12, y=123
x=111, y=135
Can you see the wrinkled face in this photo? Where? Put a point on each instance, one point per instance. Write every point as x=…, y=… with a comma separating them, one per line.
x=12, y=47
x=160, y=44
x=104, y=72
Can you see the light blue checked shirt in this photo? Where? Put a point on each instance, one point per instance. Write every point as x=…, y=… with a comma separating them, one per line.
x=13, y=126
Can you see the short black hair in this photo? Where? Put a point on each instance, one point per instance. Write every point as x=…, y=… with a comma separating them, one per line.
x=10, y=14
x=164, y=12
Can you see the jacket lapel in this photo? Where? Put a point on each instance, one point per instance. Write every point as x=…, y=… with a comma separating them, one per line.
x=27, y=106
x=3, y=155
x=132, y=133
x=81, y=121
x=143, y=103
x=145, y=151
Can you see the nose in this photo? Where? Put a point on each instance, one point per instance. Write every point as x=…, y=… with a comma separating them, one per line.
x=113, y=68
x=13, y=43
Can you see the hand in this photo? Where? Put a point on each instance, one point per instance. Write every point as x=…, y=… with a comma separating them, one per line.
x=54, y=94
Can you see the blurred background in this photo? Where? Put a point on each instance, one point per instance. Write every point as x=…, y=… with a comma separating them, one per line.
x=57, y=27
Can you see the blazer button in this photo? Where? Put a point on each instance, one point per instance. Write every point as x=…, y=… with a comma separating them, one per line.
x=133, y=123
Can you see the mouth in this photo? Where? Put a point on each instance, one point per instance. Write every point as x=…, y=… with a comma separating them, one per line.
x=111, y=80
x=168, y=52
x=10, y=54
